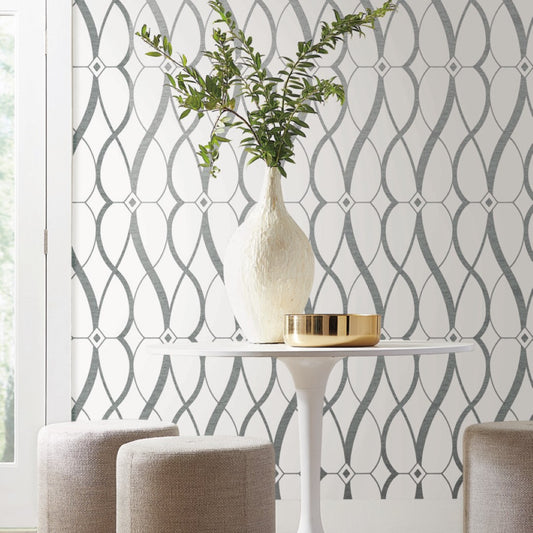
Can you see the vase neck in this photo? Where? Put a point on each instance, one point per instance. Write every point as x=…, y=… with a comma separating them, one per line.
x=271, y=195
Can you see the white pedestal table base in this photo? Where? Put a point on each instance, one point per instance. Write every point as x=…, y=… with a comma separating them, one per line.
x=310, y=377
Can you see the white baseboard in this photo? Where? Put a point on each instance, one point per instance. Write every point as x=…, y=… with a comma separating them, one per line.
x=18, y=530
x=372, y=516
x=378, y=516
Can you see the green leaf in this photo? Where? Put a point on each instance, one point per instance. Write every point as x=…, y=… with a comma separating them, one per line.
x=300, y=122
x=153, y=54
x=171, y=80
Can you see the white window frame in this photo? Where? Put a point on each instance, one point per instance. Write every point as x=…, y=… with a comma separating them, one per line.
x=30, y=263
x=43, y=375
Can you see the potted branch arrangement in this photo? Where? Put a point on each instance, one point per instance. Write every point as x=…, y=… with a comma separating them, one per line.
x=268, y=264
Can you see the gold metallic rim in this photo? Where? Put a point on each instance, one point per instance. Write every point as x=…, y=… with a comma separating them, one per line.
x=332, y=330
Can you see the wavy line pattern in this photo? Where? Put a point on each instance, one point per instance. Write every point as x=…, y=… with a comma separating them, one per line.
x=417, y=199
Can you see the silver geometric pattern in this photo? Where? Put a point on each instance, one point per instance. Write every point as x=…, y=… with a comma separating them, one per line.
x=417, y=199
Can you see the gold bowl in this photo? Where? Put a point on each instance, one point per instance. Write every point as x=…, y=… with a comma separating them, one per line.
x=332, y=330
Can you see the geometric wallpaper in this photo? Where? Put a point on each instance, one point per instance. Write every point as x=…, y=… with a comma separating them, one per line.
x=416, y=195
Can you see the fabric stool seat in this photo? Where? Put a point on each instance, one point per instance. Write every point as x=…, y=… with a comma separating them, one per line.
x=77, y=463
x=196, y=485
x=498, y=477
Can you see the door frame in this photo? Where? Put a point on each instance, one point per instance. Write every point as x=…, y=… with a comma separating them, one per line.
x=58, y=209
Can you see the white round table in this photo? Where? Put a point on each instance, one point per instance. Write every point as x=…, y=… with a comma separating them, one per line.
x=310, y=369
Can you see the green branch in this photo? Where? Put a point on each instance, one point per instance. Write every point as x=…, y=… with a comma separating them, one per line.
x=238, y=76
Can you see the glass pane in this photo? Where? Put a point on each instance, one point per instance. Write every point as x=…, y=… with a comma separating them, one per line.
x=7, y=235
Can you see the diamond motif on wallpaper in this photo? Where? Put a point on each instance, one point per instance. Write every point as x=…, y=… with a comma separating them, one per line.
x=346, y=473
x=203, y=202
x=417, y=202
x=453, y=336
x=524, y=66
x=168, y=336
x=453, y=66
x=167, y=66
x=132, y=202
x=524, y=337
x=96, y=66
x=346, y=202
x=96, y=338
x=488, y=202
x=382, y=66
x=238, y=336
x=417, y=473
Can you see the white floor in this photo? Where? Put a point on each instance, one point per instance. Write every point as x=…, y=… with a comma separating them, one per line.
x=385, y=516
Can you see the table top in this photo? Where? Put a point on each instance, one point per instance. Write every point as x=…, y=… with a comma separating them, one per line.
x=242, y=349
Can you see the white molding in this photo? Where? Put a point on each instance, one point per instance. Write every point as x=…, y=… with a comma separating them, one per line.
x=59, y=187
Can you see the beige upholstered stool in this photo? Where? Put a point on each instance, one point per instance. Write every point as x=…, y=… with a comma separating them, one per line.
x=77, y=472
x=498, y=478
x=196, y=485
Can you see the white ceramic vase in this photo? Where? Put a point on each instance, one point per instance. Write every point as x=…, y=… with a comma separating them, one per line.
x=268, y=266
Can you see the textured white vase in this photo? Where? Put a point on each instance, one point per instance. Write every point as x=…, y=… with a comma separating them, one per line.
x=268, y=266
